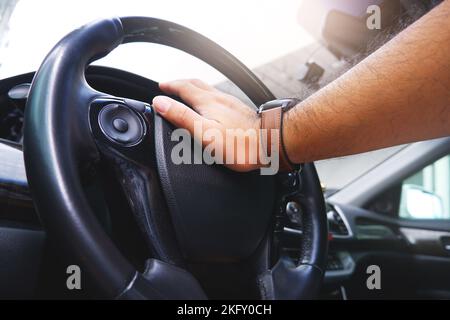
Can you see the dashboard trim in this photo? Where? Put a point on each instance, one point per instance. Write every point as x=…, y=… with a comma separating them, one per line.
x=341, y=213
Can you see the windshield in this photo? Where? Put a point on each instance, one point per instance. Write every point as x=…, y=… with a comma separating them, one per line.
x=264, y=35
x=245, y=28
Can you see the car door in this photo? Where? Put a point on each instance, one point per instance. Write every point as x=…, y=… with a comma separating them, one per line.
x=399, y=217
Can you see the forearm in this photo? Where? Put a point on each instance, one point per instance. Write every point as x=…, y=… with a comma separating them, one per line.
x=399, y=94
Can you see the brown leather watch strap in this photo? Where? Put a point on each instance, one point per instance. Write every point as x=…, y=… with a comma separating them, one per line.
x=273, y=119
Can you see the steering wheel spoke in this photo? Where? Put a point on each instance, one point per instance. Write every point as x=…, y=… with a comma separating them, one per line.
x=122, y=130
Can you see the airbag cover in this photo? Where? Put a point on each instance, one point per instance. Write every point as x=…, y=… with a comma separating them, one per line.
x=218, y=215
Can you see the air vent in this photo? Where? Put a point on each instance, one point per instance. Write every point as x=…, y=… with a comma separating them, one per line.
x=337, y=224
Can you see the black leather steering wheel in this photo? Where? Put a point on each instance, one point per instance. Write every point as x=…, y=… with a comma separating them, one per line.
x=188, y=213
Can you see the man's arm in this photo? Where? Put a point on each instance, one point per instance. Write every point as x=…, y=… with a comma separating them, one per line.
x=399, y=94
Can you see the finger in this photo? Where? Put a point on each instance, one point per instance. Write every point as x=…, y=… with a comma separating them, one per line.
x=186, y=90
x=181, y=115
x=202, y=85
x=195, y=82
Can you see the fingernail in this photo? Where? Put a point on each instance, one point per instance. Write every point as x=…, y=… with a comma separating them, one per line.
x=161, y=104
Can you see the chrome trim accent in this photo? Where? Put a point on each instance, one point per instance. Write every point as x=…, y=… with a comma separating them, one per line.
x=344, y=219
x=417, y=236
x=128, y=287
x=343, y=293
x=424, y=241
x=293, y=231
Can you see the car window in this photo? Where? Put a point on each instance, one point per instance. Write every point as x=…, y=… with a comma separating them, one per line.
x=336, y=173
x=426, y=194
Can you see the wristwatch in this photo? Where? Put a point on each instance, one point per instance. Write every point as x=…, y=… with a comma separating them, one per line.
x=271, y=114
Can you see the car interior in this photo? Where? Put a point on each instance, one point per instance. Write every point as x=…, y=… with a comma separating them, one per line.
x=75, y=189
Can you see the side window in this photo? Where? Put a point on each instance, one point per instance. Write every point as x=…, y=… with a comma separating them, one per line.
x=426, y=194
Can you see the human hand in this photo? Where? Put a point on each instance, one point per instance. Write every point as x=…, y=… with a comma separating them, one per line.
x=214, y=111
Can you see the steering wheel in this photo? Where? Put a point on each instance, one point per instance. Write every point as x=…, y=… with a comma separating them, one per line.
x=188, y=213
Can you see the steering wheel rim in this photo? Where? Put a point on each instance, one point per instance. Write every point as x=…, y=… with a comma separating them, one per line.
x=58, y=140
